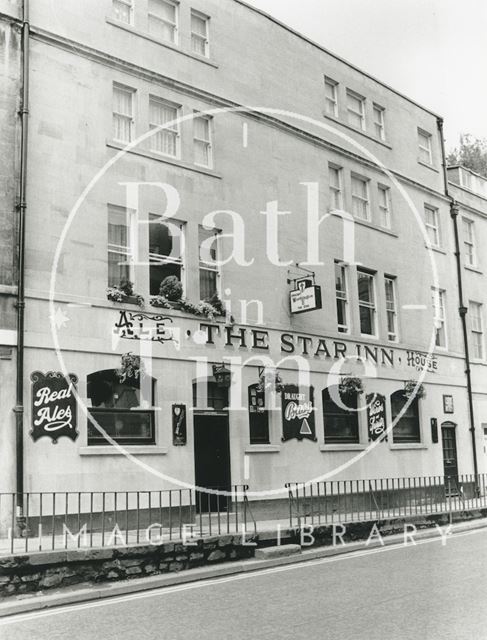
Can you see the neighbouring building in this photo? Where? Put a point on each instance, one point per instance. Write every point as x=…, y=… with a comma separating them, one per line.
x=266, y=124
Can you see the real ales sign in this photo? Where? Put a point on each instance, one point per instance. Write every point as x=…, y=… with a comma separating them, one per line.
x=306, y=296
x=298, y=417
x=53, y=406
x=376, y=416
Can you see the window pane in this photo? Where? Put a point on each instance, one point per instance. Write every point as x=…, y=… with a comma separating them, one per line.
x=159, y=271
x=198, y=25
x=407, y=428
x=164, y=10
x=341, y=425
x=365, y=290
x=130, y=427
x=258, y=416
x=208, y=286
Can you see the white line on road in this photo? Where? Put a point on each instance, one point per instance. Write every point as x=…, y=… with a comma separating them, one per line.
x=162, y=591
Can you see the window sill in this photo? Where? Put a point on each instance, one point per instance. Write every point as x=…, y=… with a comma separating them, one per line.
x=262, y=448
x=474, y=269
x=135, y=450
x=437, y=249
x=428, y=166
x=355, y=130
x=8, y=290
x=371, y=225
x=161, y=158
x=407, y=445
x=167, y=45
x=343, y=447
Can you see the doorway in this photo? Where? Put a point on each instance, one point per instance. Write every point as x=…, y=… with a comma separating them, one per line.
x=450, y=461
x=212, y=460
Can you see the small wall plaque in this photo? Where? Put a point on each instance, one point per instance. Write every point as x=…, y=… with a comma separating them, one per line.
x=179, y=437
x=448, y=404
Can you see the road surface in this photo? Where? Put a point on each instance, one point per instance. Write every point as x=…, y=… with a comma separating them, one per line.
x=426, y=592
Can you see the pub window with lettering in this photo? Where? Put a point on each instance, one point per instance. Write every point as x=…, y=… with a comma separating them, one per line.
x=406, y=429
x=340, y=422
x=258, y=416
x=117, y=405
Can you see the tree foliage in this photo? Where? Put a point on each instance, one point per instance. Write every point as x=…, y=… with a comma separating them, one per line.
x=471, y=153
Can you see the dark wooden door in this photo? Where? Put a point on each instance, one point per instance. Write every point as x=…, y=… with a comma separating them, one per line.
x=212, y=461
x=450, y=462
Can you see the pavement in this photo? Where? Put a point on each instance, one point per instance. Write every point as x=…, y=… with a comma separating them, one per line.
x=426, y=590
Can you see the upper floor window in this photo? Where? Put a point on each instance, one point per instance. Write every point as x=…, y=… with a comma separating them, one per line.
x=469, y=242
x=340, y=417
x=331, y=97
x=406, y=429
x=203, y=151
x=384, y=194
x=356, y=109
x=335, y=178
x=164, y=140
x=477, y=329
x=200, y=43
x=432, y=224
x=360, y=197
x=391, y=308
x=424, y=145
x=379, y=122
x=166, y=249
x=258, y=416
x=123, y=10
x=439, y=316
x=123, y=113
x=341, y=294
x=119, y=245
x=208, y=268
x=163, y=20
x=116, y=406
x=366, y=302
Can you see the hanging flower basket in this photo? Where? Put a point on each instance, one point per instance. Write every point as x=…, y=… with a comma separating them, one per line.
x=411, y=387
x=131, y=367
x=270, y=380
x=350, y=386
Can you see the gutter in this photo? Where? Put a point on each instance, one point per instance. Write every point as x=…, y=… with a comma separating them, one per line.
x=462, y=309
x=20, y=303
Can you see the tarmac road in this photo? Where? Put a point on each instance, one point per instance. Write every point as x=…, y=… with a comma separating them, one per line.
x=428, y=592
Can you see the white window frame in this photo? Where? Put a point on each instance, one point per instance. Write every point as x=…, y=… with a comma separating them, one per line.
x=173, y=25
x=336, y=190
x=331, y=102
x=439, y=315
x=391, y=308
x=157, y=258
x=360, y=113
x=425, y=148
x=174, y=129
x=369, y=305
x=477, y=329
x=213, y=267
x=129, y=250
x=128, y=117
x=342, y=296
x=433, y=229
x=363, y=200
x=129, y=4
x=385, y=207
x=208, y=142
x=206, y=38
x=379, y=121
x=468, y=230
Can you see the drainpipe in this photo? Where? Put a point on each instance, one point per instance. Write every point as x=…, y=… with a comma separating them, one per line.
x=20, y=303
x=462, y=309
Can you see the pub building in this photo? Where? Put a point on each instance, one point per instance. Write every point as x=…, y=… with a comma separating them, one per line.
x=200, y=315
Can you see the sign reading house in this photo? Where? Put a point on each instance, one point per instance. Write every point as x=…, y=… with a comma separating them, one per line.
x=53, y=406
x=306, y=296
x=376, y=416
x=298, y=419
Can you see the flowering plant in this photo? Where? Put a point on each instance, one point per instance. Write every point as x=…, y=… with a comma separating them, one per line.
x=123, y=291
x=411, y=387
x=270, y=380
x=350, y=386
x=131, y=367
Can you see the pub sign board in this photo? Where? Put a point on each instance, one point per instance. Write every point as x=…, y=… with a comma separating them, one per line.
x=306, y=296
x=298, y=413
x=376, y=416
x=53, y=406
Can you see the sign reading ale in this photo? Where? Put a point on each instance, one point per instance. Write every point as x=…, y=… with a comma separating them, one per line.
x=53, y=406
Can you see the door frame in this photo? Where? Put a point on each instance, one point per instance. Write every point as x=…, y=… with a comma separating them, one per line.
x=450, y=426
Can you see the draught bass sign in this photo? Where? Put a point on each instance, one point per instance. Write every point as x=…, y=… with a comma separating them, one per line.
x=298, y=413
x=53, y=406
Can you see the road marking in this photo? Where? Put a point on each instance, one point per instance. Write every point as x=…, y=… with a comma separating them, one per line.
x=162, y=591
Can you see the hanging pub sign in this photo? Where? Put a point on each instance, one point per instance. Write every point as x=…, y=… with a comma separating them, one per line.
x=53, y=406
x=179, y=425
x=376, y=416
x=298, y=418
x=306, y=296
